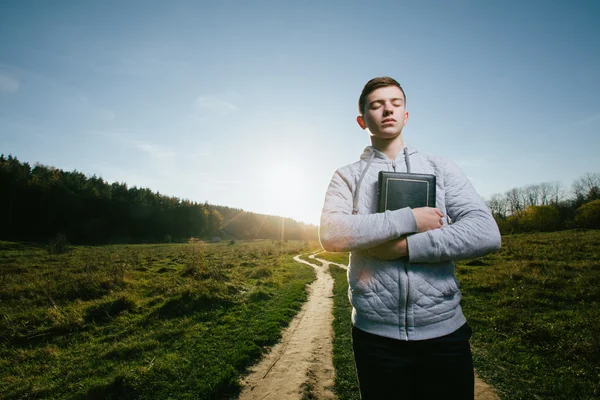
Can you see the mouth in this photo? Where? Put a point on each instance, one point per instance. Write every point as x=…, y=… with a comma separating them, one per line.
x=388, y=120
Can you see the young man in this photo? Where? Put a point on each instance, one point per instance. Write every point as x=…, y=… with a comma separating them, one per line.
x=410, y=337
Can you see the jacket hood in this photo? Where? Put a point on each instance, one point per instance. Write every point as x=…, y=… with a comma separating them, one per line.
x=378, y=156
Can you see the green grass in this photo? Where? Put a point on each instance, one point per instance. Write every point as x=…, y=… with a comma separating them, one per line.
x=310, y=260
x=534, y=309
x=144, y=322
x=338, y=258
x=346, y=383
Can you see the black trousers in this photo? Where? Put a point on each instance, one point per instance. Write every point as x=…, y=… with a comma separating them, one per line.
x=440, y=368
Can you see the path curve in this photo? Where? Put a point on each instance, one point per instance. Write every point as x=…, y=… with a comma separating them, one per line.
x=301, y=363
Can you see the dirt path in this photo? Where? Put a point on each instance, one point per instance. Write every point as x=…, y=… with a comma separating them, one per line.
x=300, y=366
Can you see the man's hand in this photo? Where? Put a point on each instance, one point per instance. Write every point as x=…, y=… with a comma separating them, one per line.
x=428, y=218
x=390, y=250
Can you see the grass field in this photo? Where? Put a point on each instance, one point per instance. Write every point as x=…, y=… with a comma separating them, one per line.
x=535, y=312
x=346, y=384
x=534, y=309
x=184, y=321
x=145, y=321
x=338, y=258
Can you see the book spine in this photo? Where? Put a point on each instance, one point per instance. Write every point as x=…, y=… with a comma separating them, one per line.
x=381, y=195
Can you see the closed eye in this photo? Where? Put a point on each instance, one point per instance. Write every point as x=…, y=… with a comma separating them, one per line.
x=378, y=103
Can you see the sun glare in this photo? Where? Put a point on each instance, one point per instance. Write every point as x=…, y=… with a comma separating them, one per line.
x=287, y=192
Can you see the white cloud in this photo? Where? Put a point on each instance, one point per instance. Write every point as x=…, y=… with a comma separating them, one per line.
x=8, y=84
x=154, y=150
x=214, y=104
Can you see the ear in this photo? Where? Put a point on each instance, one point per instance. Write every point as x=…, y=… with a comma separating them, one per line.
x=361, y=122
x=405, y=118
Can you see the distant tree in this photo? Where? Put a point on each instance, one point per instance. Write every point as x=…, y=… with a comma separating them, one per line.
x=13, y=180
x=532, y=195
x=498, y=205
x=588, y=215
x=514, y=197
x=215, y=220
x=586, y=188
x=545, y=192
x=557, y=192
x=593, y=193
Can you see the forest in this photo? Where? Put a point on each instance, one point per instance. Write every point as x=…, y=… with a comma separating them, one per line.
x=42, y=203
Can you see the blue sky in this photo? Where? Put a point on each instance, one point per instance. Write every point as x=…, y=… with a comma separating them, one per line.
x=252, y=104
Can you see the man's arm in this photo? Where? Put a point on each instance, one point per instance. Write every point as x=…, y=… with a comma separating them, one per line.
x=427, y=219
x=340, y=230
x=391, y=250
x=474, y=232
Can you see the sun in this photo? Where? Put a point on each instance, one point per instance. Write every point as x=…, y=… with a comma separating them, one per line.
x=287, y=191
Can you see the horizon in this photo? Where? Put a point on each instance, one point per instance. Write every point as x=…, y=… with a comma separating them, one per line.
x=223, y=103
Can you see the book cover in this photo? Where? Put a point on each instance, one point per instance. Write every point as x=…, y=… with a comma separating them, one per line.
x=397, y=190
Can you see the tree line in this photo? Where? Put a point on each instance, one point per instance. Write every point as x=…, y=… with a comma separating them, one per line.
x=37, y=203
x=549, y=206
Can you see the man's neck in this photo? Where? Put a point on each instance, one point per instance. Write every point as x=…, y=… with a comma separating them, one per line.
x=389, y=147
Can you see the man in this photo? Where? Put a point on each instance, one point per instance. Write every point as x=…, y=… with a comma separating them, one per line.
x=410, y=337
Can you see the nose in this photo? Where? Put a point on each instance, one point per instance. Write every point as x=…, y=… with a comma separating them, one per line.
x=388, y=108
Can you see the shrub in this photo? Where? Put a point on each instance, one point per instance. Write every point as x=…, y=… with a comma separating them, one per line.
x=58, y=244
x=507, y=225
x=540, y=219
x=532, y=219
x=588, y=215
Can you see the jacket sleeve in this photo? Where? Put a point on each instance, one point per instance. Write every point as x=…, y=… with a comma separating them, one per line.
x=340, y=230
x=474, y=232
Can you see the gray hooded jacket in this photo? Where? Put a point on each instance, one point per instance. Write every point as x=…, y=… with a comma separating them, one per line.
x=408, y=299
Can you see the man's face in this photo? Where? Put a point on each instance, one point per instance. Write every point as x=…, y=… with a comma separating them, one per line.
x=384, y=113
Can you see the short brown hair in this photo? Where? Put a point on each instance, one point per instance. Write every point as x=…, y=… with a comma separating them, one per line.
x=373, y=85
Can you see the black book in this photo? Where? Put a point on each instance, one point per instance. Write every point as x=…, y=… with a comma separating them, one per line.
x=397, y=190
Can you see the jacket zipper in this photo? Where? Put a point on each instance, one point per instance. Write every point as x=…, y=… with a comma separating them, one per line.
x=407, y=283
x=406, y=301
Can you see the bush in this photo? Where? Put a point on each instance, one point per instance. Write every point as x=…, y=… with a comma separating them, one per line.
x=588, y=215
x=532, y=219
x=58, y=244
x=540, y=219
